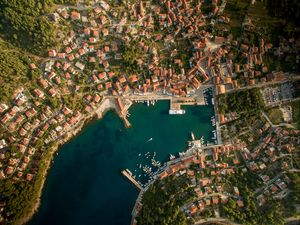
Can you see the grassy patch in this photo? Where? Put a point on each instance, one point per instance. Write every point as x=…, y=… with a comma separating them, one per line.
x=296, y=112
x=275, y=115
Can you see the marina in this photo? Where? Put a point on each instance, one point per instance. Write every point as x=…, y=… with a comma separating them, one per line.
x=145, y=173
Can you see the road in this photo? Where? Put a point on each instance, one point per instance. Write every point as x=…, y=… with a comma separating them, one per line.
x=277, y=125
x=292, y=78
x=216, y=220
x=218, y=128
x=293, y=220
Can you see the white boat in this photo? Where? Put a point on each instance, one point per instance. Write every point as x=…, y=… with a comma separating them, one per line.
x=193, y=136
x=176, y=111
x=150, y=139
x=172, y=157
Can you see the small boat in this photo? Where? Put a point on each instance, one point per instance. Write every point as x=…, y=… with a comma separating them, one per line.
x=140, y=154
x=193, y=136
x=150, y=139
x=172, y=157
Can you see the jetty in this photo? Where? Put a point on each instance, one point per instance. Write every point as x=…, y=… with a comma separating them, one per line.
x=128, y=174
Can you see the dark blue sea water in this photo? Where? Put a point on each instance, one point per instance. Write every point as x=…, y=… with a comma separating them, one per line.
x=84, y=185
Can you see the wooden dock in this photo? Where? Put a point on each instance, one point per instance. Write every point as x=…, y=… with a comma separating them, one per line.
x=126, y=174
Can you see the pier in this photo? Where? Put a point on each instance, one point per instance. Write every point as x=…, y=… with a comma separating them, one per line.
x=126, y=122
x=175, y=102
x=129, y=176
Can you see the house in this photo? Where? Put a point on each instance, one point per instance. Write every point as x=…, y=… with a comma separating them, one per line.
x=52, y=53
x=108, y=85
x=68, y=50
x=29, y=177
x=193, y=209
x=236, y=191
x=2, y=175
x=105, y=32
x=38, y=93
x=79, y=65
x=3, y=107
x=215, y=200
x=240, y=203
x=32, y=66
x=204, y=181
x=75, y=15
x=52, y=92
x=43, y=82
x=66, y=110
x=2, y=143
x=221, y=89
x=9, y=170
x=221, y=118
x=163, y=175
x=97, y=98
x=61, y=55
x=102, y=76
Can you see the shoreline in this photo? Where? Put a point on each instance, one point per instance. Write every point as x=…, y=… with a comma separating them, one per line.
x=106, y=105
x=96, y=115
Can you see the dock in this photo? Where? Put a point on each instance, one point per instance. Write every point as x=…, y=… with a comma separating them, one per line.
x=126, y=122
x=129, y=176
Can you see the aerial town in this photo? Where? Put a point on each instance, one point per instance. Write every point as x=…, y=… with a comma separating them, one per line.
x=112, y=56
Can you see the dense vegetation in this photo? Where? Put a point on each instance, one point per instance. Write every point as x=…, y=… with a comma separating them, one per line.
x=289, y=9
x=132, y=54
x=271, y=214
x=17, y=197
x=14, y=70
x=161, y=202
x=295, y=186
x=20, y=197
x=296, y=112
x=241, y=102
x=25, y=24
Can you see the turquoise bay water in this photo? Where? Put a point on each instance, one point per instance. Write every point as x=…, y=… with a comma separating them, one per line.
x=84, y=184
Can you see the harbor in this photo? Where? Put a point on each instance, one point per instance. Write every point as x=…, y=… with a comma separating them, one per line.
x=144, y=174
x=96, y=157
x=123, y=104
